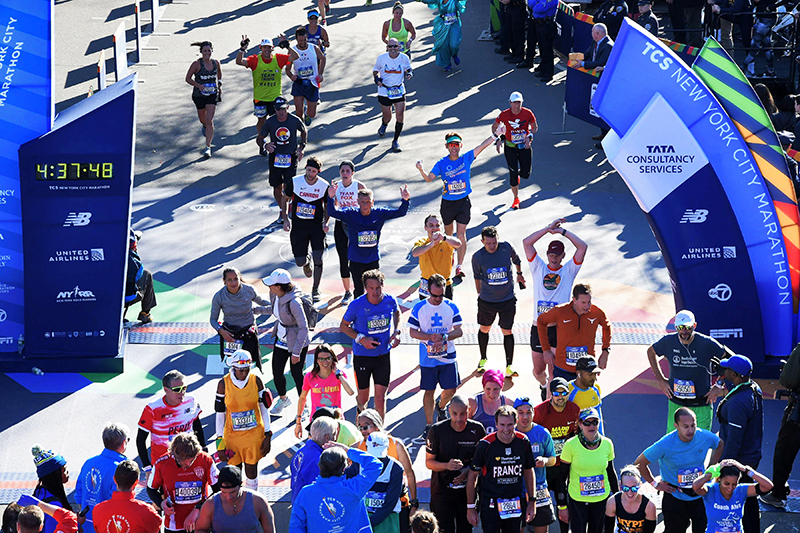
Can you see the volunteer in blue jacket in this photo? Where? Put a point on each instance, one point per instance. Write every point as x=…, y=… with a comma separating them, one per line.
x=303, y=468
x=96, y=481
x=364, y=227
x=333, y=502
x=544, y=451
x=725, y=497
x=741, y=426
x=373, y=322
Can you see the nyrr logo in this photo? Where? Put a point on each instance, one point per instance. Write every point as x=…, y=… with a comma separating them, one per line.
x=78, y=219
x=75, y=295
x=729, y=333
x=694, y=216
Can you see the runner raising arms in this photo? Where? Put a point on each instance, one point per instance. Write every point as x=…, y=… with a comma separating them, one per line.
x=207, y=74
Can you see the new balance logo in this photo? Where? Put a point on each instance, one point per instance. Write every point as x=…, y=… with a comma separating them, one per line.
x=78, y=219
x=694, y=216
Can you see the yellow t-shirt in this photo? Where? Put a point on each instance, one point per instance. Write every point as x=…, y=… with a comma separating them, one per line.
x=588, y=481
x=437, y=260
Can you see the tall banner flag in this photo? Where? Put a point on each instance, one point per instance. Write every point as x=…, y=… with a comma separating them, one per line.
x=721, y=74
x=705, y=198
x=26, y=112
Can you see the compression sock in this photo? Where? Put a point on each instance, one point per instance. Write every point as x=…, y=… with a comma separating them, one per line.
x=508, y=344
x=317, y=258
x=483, y=343
x=398, y=128
x=251, y=484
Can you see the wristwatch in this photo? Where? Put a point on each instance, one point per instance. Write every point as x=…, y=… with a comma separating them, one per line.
x=414, y=503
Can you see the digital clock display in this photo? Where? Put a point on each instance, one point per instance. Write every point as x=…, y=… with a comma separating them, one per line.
x=74, y=171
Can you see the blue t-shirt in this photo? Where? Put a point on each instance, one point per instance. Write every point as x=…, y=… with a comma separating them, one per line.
x=724, y=516
x=364, y=231
x=455, y=175
x=373, y=321
x=541, y=446
x=429, y=318
x=682, y=462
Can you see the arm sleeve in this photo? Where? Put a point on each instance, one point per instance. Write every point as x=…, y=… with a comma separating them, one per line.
x=197, y=428
x=649, y=526
x=392, y=495
x=141, y=446
x=216, y=308
x=611, y=522
x=220, y=424
x=613, y=482
x=155, y=496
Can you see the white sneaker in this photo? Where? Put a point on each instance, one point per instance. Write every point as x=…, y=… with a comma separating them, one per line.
x=280, y=405
x=207, y=152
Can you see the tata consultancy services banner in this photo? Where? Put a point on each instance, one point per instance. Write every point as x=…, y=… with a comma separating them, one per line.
x=26, y=112
x=706, y=200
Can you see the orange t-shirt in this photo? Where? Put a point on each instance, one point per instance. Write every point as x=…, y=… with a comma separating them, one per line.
x=576, y=334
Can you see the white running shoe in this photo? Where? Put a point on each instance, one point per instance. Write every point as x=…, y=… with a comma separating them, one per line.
x=280, y=405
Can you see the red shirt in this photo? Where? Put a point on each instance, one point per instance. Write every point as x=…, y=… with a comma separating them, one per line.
x=123, y=513
x=252, y=61
x=186, y=487
x=163, y=422
x=561, y=425
x=517, y=126
x=67, y=521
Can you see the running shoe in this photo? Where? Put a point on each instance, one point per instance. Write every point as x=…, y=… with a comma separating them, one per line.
x=382, y=130
x=308, y=120
x=456, y=60
x=347, y=298
x=280, y=405
x=448, y=68
x=481, y=366
x=396, y=146
x=515, y=204
x=145, y=318
x=441, y=413
x=368, y=3
x=771, y=499
x=510, y=373
x=459, y=272
x=315, y=296
x=307, y=268
x=306, y=413
x=207, y=152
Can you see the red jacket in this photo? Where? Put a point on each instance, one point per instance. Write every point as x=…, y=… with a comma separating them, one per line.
x=123, y=513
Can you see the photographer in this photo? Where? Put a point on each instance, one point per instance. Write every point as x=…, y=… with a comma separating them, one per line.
x=788, y=443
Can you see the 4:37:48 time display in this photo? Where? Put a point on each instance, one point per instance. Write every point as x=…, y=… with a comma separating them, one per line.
x=74, y=171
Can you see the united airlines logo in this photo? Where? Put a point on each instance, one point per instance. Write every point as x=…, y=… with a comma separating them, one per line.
x=694, y=216
x=78, y=219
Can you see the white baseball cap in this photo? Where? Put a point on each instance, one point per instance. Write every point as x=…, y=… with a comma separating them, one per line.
x=685, y=318
x=279, y=275
x=266, y=42
x=516, y=96
x=239, y=359
x=378, y=444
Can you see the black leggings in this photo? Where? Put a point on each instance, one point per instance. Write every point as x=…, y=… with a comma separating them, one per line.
x=279, y=358
x=342, y=242
x=519, y=163
x=587, y=517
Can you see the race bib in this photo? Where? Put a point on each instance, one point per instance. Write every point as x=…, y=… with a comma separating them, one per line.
x=367, y=239
x=574, y=353
x=423, y=287
x=306, y=211
x=684, y=389
x=542, y=496
x=377, y=324
x=456, y=186
x=450, y=19
x=395, y=92
x=244, y=420
x=456, y=486
x=497, y=276
x=188, y=491
x=374, y=500
x=283, y=160
x=229, y=347
x=518, y=137
x=509, y=508
x=305, y=72
x=543, y=306
x=209, y=89
x=558, y=444
x=592, y=485
x=437, y=353
x=686, y=476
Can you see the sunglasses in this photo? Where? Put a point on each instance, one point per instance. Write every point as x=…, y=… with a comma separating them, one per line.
x=451, y=144
x=179, y=390
x=684, y=328
x=590, y=423
x=630, y=489
x=437, y=296
x=329, y=358
x=560, y=393
x=392, y=47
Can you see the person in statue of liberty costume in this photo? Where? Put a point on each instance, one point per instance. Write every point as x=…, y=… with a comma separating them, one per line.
x=447, y=30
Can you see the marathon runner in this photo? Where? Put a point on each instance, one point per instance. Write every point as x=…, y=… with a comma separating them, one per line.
x=520, y=127
x=552, y=281
x=309, y=64
x=576, y=324
x=484, y=405
x=242, y=419
x=545, y=454
x=391, y=68
x=560, y=417
x=504, y=462
x=435, y=254
x=436, y=322
x=628, y=510
x=266, y=69
x=207, y=74
x=584, y=390
x=309, y=222
x=317, y=34
x=399, y=28
x=447, y=31
x=174, y=413
x=454, y=171
x=344, y=192
x=284, y=151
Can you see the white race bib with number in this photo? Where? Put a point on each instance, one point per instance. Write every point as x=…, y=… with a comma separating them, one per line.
x=283, y=160
x=395, y=92
x=684, y=389
x=305, y=211
x=543, y=306
x=574, y=353
x=229, y=347
x=450, y=19
x=509, y=508
x=244, y=420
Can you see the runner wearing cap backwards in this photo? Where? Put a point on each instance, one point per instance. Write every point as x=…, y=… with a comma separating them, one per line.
x=560, y=417
x=689, y=355
x=266, y=68
x=584, y=390
x=454, y=171
x=235, y=509
x=242, y=418
x=552, y=281
x=545, y=454
x=520, y=127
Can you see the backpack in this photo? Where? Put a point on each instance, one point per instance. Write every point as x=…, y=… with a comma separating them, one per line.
x=790, y=376
x=312, y=315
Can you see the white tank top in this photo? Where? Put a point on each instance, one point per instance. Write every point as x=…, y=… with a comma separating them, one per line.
x=347, y=197
x=306, y=64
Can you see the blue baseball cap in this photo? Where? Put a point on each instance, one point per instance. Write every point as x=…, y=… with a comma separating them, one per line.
x=738, y=363
x=519, y=402
x=586, y=414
